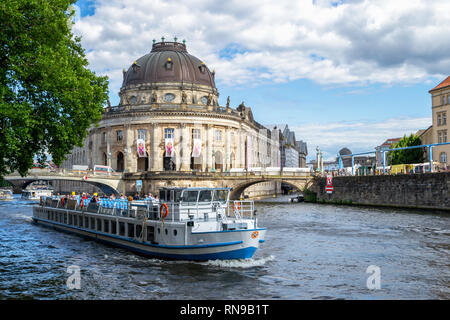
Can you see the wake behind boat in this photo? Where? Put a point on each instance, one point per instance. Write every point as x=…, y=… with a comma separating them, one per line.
x=186, y=224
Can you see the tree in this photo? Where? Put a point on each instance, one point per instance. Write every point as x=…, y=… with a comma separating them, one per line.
x=48, y=97
x=407, y=156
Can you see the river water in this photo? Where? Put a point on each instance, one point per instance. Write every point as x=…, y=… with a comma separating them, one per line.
x=311, y=252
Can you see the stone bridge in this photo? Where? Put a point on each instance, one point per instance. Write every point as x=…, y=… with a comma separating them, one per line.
x=152, y=181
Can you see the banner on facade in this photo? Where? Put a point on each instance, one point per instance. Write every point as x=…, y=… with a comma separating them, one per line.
x=197, y=149
x=140, y=143
x=170, y=152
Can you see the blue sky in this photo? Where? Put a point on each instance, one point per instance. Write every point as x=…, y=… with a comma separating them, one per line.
x=339, y=73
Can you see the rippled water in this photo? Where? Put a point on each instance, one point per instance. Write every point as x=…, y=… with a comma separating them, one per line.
x=311, y=252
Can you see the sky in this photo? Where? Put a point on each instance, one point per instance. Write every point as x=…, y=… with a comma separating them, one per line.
x=338, y=73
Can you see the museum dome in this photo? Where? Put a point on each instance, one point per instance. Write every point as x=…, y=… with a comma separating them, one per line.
x=168, y=62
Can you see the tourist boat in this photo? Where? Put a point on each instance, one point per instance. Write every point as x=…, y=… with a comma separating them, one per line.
x=36, y=194
x=186, y=223
x=6, y=194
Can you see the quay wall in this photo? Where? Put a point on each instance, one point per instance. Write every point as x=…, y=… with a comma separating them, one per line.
x=423, y=191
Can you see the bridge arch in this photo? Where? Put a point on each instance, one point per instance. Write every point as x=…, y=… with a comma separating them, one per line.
x=24, y=182
x=239, y=188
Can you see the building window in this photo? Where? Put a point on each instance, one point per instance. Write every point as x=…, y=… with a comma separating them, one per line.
x=142, y=134
x=218, y=135
x=441, y=118
x=104, y=137
x=169, y=97
x=169, y=133
x=119, y=135
x=442, y=136
x=443, y=157
x=196, y=134
x=443, y=99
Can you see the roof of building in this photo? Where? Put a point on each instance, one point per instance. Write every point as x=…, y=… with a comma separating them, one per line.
x=390, y=141
x=443, y=84
x=168, y=62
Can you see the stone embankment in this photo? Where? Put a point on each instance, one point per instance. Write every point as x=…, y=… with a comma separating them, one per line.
x=423, y=191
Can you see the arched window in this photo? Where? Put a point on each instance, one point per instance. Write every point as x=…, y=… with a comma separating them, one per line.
x=105, y=159
x=120, y=162
x=443, y=157
x=218, y=161
x=142, y=163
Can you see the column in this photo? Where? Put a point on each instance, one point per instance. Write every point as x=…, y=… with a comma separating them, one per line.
x=210, y=137
x=239, y=162
x=157, y=162
x=185, y=147
x=227, y=148
x=204, y=136
x=109, y=155
x=129, y=154
x=179, y=149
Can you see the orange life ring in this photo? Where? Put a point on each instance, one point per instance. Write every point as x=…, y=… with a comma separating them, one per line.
x=62, y=201
x=166, y=211
x=237, y=206
x=254, y=234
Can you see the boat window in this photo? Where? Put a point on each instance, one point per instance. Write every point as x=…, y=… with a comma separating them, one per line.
x=150, y=234
x=138, y=230
x=131, y=230
x=221, y=195
x=205, y=196
x=113, y=227
x=70, y=219
x=86, y=222
x=106, y=225
x=80, y=221
x=177, y=196
x=121, y=228
x=190, y=196
x=99, y=225
x=92, y=223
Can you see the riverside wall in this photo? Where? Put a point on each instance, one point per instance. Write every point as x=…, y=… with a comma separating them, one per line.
x=423, y=191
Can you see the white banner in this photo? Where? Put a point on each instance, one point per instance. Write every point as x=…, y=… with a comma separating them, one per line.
x=197, y=149
x=140, y=143
x=170, y=152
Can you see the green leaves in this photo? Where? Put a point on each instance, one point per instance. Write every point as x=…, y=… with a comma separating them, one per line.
x=407, y=156
x=48, y=97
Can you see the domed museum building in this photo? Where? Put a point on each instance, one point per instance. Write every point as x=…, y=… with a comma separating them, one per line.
x=169, y=119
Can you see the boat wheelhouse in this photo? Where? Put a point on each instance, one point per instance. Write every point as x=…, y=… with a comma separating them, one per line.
x=185, y=224
x=36, y=194
x=6, y=194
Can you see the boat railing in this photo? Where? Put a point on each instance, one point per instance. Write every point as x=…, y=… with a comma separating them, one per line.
x=151, y=209
x=241, y=209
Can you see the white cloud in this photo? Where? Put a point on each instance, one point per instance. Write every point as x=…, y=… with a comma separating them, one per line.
x=331, y=42
x=358, y=136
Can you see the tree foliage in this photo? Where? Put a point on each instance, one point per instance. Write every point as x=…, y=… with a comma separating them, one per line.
x=407, y=156
x=48, y=96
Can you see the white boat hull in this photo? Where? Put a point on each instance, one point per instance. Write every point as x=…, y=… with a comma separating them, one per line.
x=238, y=244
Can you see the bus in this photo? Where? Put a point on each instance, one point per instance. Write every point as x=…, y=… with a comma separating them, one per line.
x=103, y=169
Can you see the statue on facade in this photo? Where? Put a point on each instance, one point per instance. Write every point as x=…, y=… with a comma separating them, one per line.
x=154, y=97
x=183, y=97
x=228, y=102
x=208, y=103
